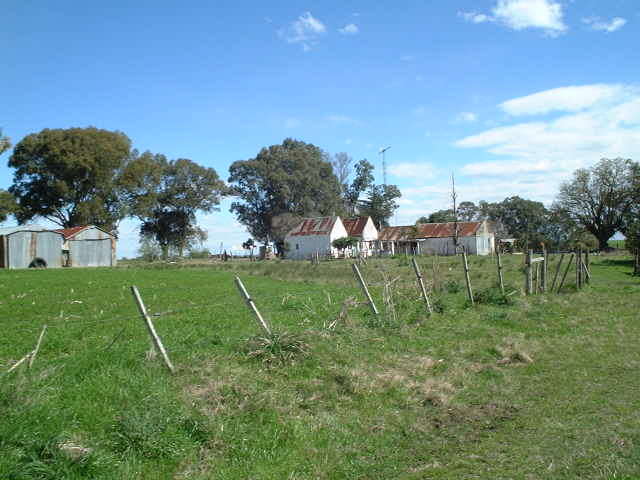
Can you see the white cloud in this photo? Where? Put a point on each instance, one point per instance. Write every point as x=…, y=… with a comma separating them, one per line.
x=292, y=122
x=465, y=117
x=343, y=119
x=414, y=170
x=570, y=99
x=597, y=24
x=522, y=14
x=350, y=29
x=550, y=150
x=305, y=30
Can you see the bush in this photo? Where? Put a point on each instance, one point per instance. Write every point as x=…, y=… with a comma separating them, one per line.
x=280, y=348
x=492, y=296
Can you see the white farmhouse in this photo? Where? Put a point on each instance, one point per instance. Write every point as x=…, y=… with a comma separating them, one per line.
x=314, y=235
x=365, y=231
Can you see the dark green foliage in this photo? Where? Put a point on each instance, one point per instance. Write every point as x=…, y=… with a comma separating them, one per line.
x=293, y=179
x=344, y=242
x=453, y=286
x=492, y=296
x=441, y=216
x=362, y=181
x=5, y=143
x=602, y=197
x=70, y=176
x=380, y=204
x=166, y=195
x=8, y=205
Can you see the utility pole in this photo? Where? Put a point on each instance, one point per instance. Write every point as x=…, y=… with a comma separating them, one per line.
x=384, y=164
x=454, y=197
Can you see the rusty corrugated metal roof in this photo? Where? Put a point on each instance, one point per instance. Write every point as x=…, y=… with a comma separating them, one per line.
x=442, y=230
x=314, y=226
x=355, y=226
x=71, y=231
x=428, y=230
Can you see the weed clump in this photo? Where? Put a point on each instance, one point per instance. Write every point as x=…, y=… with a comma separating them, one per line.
x=492, y=296
x=282, y=348
x=453, y=286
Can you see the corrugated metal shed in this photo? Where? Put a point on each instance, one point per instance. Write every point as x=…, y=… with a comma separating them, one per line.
x=397, y=234
x=442, y=230
x=314, y=226
x=30, y=245
x=89, y=246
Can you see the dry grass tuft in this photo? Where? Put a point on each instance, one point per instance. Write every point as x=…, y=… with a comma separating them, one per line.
x=436, y=392
x=515, y=351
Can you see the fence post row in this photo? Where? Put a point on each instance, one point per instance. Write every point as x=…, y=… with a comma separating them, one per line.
x=365, y=290
x=466, y=276
x=252, y=306
x=152, y=331
x=423, y=290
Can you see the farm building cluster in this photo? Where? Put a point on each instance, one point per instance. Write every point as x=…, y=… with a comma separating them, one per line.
x=30, y=246
x=315, y=236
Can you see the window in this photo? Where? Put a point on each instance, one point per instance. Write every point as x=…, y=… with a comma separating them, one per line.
x=297, y=247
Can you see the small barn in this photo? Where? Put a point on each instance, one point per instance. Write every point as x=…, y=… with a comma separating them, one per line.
x=365, y=231
x=438, y=238
x=30, y=246
x=314, y=235
x=88, y=246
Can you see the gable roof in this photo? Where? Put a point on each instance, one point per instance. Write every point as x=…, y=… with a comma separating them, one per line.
x=314, y=226
x=21, y=228
x=73, y=231
x=355, y=226
x=428, y=230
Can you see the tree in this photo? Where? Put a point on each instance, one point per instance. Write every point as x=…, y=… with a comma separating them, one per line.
x=292, y=178
x=600, y=198
x=249, y=245
x=5, y=143
x=441, y=216
x=523, y=219
x=8, y=205
x=342, y=168
x=166, y=195
x=70, y=176
x=344, y=243
x=467, y=211
x=632, y=242
x=361, y=182
x=380, y=204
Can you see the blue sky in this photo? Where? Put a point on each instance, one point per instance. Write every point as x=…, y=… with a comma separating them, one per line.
x=511, y=95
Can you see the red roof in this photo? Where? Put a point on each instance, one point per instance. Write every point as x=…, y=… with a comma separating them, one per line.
x=355, y=226
x=441, y=230
x=71, y=231
x=428, y=230
x=314, y=226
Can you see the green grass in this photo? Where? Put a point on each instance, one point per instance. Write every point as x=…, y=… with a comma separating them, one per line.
x=523, y=387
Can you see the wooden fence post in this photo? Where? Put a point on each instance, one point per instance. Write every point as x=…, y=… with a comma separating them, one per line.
x=252, y=306
x=587, y=263
x=587, y=274
x=555, y=277
x=565, y=273
x=467, y=280
x=423, y=290
x=35, y=350
x=152, y=331
x=545, y=261
x=365, y=290
x=500, y=279
x=529, y=273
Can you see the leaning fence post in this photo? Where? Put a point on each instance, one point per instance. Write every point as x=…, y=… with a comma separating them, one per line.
x=565, y=273
x=423, y=290
x=152, y=331
x=466, y=276
x=586, y=273
x=35, y=350
x=500, y=279
x=587, y=264
x=545, y=262
x=365, y=290
x=555, y=277
x=252, y=306
x=529, y=273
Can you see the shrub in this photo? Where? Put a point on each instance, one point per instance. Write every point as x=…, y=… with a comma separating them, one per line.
x=280, y=348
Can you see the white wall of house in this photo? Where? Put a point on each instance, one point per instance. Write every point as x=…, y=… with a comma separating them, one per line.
x=302, y=247
x=367, y=243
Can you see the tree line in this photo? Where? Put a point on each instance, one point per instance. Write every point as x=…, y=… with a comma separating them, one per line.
x=589, y=209
x=81, y=176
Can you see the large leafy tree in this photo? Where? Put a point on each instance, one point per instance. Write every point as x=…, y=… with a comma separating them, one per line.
x=380, y=204
x=5, y=143
x=601, y=198
x=291, y=179
x=362, y=181
x=522, y=218
x=166, y=195
x=70, y=176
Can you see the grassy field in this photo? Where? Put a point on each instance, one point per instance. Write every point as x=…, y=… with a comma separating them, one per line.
x=542, y=387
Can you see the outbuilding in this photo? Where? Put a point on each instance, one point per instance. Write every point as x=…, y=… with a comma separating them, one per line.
x=365, y=231
x=314, y=236
x=30, y=246
x=88, y=246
